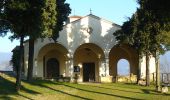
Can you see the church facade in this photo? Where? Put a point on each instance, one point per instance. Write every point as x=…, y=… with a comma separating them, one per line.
x=87, y=42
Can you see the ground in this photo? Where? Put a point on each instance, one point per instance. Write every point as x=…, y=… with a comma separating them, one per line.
x=51, y=90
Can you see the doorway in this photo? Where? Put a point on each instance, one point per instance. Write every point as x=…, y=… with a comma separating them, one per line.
x=88, y=72
x=52, y=68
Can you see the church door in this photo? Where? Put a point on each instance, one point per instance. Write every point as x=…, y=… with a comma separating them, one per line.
x=88, y=72
x=52, y=68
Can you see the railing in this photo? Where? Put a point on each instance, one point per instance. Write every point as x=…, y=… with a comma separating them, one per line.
x=128, y=78
x=165, y=78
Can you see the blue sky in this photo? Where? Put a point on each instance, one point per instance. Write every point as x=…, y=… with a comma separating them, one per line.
x=116, y=11
x=123, y=67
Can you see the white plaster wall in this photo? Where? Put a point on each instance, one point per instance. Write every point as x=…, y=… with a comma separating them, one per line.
x=26, y=51
x=151, y=65
x=75, y=34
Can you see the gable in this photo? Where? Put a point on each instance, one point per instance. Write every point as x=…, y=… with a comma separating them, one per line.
x=91, y=16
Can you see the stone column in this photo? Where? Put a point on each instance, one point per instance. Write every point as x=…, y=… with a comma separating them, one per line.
x=106, y=78
x=106, y=66
x=70, y=67
x=100, y=69
x=157, y=62
x=66, y=68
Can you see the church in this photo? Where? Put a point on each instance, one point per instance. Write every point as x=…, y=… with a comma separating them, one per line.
x=86, y=47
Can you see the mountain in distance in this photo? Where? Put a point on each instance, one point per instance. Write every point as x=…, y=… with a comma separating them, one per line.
x=5, y=58
x=165, y=62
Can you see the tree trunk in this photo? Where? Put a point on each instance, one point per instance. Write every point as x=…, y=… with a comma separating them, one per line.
x=147, y=70
x=30, y=59
x=18, y=78
x=139, y=69
x=158, y=87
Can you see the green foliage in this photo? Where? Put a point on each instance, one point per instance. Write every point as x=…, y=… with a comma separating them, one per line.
x=158, y=17
x=54, y=13
x=159, y=9
x=128, y=31
x=49, y=17
x=63, y=11
x=4, y=27
x=35, y=18
x=4, y=24
x=15, y=12
x=148, y=29
x=32, y=18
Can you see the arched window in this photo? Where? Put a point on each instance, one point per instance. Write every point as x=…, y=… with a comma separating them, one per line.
x=123, y=67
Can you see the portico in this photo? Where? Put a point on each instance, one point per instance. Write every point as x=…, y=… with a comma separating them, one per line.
x=87, y=42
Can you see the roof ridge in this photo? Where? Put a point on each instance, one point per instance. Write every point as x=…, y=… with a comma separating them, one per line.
x=97, y=17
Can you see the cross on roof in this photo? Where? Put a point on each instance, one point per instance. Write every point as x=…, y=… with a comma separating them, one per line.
x=90, y=11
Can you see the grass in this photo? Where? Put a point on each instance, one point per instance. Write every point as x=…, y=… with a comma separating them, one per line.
x=49, y=90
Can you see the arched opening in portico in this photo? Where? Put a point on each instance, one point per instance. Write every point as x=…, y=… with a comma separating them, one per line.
x=123, y=51
x=88, y=56
x=51, y=61
x=123, y=67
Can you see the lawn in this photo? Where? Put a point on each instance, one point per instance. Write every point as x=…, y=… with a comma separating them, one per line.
x=50, y=90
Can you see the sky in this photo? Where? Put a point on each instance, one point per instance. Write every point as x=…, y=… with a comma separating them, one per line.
x=116, y=11
x=123, y=67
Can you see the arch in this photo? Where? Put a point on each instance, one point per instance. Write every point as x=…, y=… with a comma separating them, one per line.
x=53, y=68
x=52, y=46
x=94, y=47
x=123, y=51
x=51, y=51
x=123, y=67
x=88, y=57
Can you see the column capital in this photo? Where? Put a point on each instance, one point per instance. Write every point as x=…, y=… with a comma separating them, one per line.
x=106, y=57
x=70, y=55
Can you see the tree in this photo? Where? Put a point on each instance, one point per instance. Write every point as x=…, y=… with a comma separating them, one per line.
x=63, y=10
x=15, y=12
x=152, y=30
x=159, y=11
x=4, y=24
x=42, y=15
x=62, y=16
x=28, y=18
x=129, y=34
x=141, y=36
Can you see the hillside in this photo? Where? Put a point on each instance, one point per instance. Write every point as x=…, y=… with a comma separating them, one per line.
x=165, y=62
x=52, y=90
